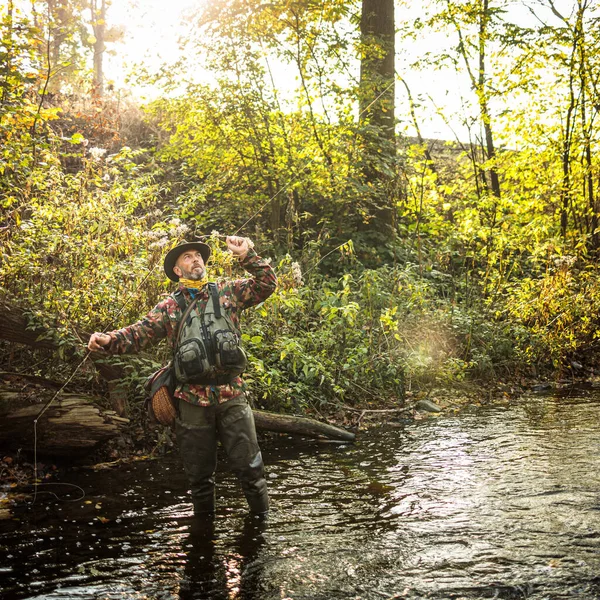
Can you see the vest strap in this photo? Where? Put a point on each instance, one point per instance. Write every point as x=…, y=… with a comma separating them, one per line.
x=214, y=293
x=187, y=311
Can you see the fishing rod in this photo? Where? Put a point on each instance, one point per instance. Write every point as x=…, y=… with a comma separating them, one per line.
x=63, y=386
x=127, y=300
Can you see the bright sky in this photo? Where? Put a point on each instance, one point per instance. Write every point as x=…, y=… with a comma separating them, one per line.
x=152, y=29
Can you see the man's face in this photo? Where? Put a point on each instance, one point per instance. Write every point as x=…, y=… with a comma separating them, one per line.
x=190, y=265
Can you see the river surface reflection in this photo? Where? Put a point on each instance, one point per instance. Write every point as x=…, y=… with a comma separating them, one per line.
x=496, y=502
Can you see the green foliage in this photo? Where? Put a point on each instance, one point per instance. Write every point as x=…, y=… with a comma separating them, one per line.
x=294, y=162
x=472, y=283
x=328, y=348
x=365, y=337
x=557, y=312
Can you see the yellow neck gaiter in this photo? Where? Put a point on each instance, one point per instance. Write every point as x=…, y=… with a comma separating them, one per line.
x=190, y=283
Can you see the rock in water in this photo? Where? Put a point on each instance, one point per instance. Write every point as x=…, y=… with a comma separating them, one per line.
x=427, y=405
x=542, y=387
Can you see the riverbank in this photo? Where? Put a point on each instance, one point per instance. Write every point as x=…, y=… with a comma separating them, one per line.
x=147, y=442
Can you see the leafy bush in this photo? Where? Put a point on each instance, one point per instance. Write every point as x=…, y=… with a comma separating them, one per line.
x=556, y=313
x=365, y=337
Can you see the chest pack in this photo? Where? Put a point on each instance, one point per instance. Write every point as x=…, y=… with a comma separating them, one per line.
x=207, y=348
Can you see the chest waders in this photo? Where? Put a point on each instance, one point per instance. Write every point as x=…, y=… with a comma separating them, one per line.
x=207, y=351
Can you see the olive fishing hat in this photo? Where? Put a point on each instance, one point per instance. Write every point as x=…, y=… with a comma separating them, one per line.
x=173, y=255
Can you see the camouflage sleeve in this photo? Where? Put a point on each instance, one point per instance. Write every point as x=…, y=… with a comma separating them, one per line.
x=254, y=290
x=153, y=327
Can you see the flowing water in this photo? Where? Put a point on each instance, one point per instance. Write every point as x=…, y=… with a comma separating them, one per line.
x=495, y=502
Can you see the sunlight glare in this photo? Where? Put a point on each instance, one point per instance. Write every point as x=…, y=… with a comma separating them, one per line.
x=152, y=32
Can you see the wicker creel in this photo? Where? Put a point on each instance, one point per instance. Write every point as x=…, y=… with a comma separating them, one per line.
x=162, y=406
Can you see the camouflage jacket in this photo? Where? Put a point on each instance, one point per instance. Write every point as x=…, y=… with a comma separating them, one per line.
x=160, y=322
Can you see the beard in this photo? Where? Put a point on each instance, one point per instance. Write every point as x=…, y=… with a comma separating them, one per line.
x=196, y=274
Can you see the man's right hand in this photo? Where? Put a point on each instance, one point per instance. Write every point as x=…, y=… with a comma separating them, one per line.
x=98, y=341
x=238, y=246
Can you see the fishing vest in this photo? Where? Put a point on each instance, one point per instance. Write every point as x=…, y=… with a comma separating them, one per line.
x=207, y=348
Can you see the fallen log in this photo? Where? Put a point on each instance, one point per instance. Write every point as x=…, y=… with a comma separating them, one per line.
x=43, y=381
x=73, y=425
x=14, y=328
x=299, y=426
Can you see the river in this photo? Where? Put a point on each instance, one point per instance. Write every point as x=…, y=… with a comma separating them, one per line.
x=498, y=501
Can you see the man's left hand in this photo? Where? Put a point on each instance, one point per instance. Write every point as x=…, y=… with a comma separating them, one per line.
x=238, y=246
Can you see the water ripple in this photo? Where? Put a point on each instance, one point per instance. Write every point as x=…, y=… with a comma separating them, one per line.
x=500, y=502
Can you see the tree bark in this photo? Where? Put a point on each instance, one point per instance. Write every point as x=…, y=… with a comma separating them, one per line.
x=377, y=115
x=14, y=328
x=481, y=88
x=60, y=26
x=98, y=9
x=483, y=103
x=72, y=426
x=377, y=68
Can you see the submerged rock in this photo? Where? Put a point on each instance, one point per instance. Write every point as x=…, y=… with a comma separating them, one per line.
x=542, y=387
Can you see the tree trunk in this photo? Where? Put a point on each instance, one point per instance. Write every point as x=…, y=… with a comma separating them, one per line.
x=587, y=131
x=567, y=143
x=72, y=425
x=299, y=426
x=483, y=104
x=98, y=8
x=59, y=29
x=6, y=37
x=13, y=328
x=377, y=116
x=377, y=68
x=479, y=82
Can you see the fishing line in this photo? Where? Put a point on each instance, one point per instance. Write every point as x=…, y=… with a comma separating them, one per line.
x=282, y=189
x=306, y=165
x=64, y=385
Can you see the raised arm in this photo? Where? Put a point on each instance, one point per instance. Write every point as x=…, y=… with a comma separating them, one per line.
x=256, y=289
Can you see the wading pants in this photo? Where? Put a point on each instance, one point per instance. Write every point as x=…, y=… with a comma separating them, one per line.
x=198, y=429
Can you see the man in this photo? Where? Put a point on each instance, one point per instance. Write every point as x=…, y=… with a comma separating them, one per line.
x=214, y=411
